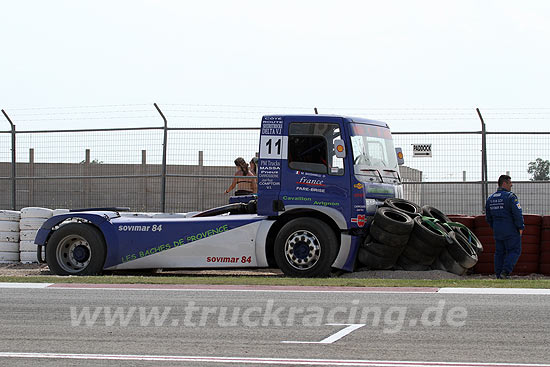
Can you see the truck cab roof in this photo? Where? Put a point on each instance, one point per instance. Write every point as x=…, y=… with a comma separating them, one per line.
x=313, y=118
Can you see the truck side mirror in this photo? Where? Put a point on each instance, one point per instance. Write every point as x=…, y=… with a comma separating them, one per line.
x=339, y=148
x=400, y=159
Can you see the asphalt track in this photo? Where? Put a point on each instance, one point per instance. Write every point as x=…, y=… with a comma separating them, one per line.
x=54, y=325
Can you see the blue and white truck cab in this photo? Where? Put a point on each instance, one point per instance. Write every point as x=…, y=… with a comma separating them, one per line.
x=320, y=180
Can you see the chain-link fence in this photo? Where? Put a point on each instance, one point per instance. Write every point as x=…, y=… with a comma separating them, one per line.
x=72, y=166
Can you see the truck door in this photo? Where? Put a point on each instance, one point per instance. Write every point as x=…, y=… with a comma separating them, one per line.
x=312, y=175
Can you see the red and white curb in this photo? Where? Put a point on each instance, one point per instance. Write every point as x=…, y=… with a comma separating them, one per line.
x=253, y=288
x=251, y=360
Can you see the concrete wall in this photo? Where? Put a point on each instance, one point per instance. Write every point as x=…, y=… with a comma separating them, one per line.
x=196, y=193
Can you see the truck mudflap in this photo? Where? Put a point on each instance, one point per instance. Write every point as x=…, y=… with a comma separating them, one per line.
x=349, y=245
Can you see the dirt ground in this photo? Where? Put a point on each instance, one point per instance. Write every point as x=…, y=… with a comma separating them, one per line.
x=25, y=270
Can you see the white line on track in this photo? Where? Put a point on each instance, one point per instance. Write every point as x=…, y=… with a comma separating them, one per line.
x=334, y=337
x=220, y=288
x=249, y=360
x=493, y=291
x=25, y=285
x=278, y=289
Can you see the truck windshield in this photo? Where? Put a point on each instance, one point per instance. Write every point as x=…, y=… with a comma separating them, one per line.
x=373, y=150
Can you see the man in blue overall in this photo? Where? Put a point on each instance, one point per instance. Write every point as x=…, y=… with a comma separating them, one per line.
x=503, y=212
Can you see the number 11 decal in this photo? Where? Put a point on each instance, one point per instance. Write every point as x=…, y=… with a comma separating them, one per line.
x=273, y=147
x=277, y=144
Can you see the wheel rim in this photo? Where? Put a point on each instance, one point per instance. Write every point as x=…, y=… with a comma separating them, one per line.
x=73, y=253
x=302, y=250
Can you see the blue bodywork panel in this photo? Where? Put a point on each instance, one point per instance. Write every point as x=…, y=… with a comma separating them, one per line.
x=130, y=238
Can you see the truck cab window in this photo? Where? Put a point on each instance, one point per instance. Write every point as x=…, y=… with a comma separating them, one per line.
x=311, y=148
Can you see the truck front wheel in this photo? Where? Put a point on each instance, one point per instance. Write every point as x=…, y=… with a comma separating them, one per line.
x=76, y=249
x=305, y=247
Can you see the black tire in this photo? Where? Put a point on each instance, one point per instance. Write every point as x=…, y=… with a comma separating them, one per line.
x=368, y=239
x=471, y=237
x=379, y=249
x=393, y=221
x=76, y=249
x=462, y=251
x=407, y=264
x=432, y=233
x=450, y=264
x=437, y=265
x=387, y=238
x=374, y=262
x=305, y=247
x=430, y=211
x=426, y=248
x=416, y=256
x=406, y=206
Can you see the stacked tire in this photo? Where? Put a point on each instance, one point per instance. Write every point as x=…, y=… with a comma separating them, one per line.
x=426, y=242
x=466, y=220
x=484, y=233
x=544, y=260
x=423, y=246
x=389, y=233
x=32, y=219
x=405, y=236
x=459, y=246
x=528, y=262
x=9, y=236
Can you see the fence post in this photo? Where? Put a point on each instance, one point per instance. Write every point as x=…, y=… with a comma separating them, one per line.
x=87, y=185
x=484, y=176
x=144, y=180
x=31, y=174
x=13, y=162
x=163, y=178
x=201, y=203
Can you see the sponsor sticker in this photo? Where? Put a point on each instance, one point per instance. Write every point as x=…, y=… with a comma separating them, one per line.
x=360, y=220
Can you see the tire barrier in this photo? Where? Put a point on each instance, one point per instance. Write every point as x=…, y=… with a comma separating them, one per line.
x=531, y=245
x=9, y=236
x=544, y=260
x=389, y=233
x=27, y=224
x=9, y=246
x=9, y=257
x=394, y=221
x=467, y=220
x=427, y=240
x=403, y=236
x=9, y=226
x=27, y=246
x=32, y=219
x=60, y=211
x=28, y=235
x=35, y=212
x=10, y=215
x=18, y=231
x=467, y=234
x=28, y=257
x=405, y=206
x=430, y=211
x=371, y=257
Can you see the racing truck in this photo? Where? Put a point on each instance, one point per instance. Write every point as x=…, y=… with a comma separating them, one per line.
x=320, y=178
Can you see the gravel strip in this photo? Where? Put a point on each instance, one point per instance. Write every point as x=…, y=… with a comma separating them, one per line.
x=24, y=270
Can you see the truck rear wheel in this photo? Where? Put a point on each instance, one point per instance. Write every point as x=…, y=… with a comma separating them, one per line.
x=305, y=247
x=76, y=249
